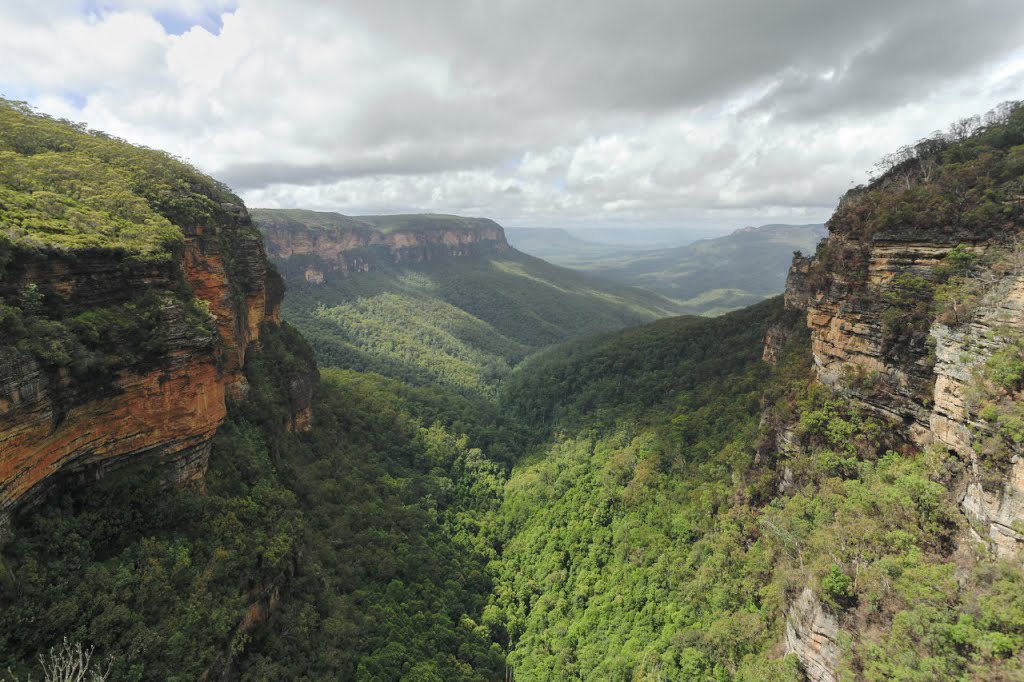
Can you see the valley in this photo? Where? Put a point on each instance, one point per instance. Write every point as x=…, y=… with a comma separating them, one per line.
x=704, y=277
x=293, y=445
x=451, y=303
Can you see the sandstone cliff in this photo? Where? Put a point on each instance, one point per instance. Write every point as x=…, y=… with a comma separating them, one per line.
x=123, y=331
x=919, y=284
x=308, y=244
x=167, y=406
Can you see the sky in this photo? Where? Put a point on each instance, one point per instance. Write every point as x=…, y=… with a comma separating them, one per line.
x=625, y=114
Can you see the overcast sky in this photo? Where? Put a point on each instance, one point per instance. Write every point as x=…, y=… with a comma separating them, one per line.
x=699, y=113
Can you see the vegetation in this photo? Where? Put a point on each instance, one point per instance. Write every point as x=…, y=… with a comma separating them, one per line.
x=636, y=505
x=359, y=535
x=70, y=189
x=462, y=323
x=75, y=200
x=967, y=183
x=639, y=374
x=646, y=537
x=948, y=291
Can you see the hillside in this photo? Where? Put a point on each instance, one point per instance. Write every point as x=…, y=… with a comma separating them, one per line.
x=126, y=277
x=707, y=277
x=449, y=303
x=179, y=488
x=859, y=509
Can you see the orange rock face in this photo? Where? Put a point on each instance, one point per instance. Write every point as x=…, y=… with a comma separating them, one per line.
x=349, y=250
x=171, y=413
x=169, y=409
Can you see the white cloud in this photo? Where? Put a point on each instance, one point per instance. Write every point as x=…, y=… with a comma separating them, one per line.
x=532, y=113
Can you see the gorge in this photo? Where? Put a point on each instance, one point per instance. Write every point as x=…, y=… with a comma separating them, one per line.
x=463, y=461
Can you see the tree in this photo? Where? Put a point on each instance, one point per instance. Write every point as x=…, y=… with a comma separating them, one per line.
x=70, y=663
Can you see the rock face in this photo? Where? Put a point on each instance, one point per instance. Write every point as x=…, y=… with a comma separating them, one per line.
x=55, y=425
x=992, y=511
x=922, y=378
x=878, y=340
x=811, y=634
x=312, y=244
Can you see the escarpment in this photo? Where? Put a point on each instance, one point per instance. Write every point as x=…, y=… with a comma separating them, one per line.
x=165, y=400
x=127, y=305
x=308, y=244
x=915, y=306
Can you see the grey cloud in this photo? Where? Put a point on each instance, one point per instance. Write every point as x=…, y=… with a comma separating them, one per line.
x=535, y=73
x=904, y=63
x=419, y=161
x=652, y=55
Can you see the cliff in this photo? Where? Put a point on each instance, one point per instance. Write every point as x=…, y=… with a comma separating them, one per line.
x=309, y=244
x=915, y=306
x=127, y=306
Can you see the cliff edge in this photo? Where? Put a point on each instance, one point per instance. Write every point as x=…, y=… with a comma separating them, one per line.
x=915, y=306
x=312, y=243
x=131, y=288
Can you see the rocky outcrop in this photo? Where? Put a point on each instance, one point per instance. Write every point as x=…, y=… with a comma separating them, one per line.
x=876, y=344
x=925, y=380
x=851, y=329
x=811, y=634
x=55, y=424
x=995, y=513
x=920, y=282
x=309, y=245
x=795, y=301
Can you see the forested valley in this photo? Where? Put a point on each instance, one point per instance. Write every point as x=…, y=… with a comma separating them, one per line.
x=496, y=485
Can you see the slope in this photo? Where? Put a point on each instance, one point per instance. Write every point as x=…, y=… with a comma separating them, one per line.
x=710, y=276
x=452, y=305
x=853, y=513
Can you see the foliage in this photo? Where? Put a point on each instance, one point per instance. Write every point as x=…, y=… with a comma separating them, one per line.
x=92, y=345
x=360, y=534
x=965, y=184
x=461, y=323
x=993, y=394
x=638, y=505
x=63, y=187
x=637, y=373
x=75, y=207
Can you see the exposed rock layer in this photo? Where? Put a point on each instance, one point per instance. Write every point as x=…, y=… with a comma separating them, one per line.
x=52, y=424
x=915, y=373
x=312, y=251
x=811, y=633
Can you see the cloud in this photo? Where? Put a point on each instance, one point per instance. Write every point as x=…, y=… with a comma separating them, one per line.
x=530, y=112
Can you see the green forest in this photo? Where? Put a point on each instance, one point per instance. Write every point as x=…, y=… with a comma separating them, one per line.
x=461, y=323
x=416, y=534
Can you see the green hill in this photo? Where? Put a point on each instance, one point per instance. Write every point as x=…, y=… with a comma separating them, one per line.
x=459, y=320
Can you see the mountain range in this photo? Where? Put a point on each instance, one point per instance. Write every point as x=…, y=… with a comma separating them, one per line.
x=705, y=277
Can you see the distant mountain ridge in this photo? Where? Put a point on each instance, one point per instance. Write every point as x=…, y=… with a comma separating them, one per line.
x=558, y=245
x=706, y=277
x=318, y=242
